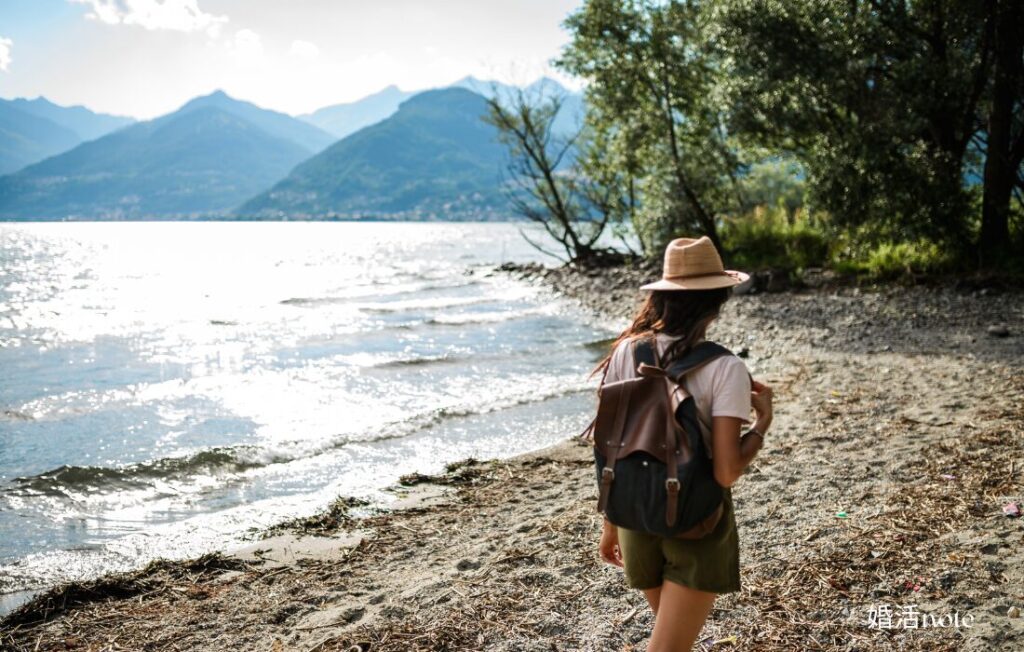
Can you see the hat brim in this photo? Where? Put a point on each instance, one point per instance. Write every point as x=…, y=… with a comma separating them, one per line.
x=709, y=282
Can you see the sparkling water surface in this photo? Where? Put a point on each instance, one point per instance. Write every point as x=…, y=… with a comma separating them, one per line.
x=167, y=387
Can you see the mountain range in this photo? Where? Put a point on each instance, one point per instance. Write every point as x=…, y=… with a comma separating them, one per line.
x=276, y=124
x=205, y=158
x=344, y=119
x=31, y=130
x=434, y=157
x=424, y=155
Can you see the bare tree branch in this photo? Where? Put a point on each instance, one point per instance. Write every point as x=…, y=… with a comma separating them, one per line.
x=564, y=204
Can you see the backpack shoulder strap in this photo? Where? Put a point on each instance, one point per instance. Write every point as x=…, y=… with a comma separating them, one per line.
x=644, y=352
x=698, y=356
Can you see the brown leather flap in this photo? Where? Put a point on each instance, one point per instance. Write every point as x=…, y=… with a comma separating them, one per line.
x=644, y=400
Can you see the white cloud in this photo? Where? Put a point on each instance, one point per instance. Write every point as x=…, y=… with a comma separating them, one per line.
x=5, y=53
x=304, y=50
x=247, y=45
x=174, y=15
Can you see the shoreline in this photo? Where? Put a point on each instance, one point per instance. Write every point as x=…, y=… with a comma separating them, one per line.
x=501, y=554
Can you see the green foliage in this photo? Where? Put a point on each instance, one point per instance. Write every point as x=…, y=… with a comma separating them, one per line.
x=874, y=113
x=875, y=98
x=892, y=260
x=653, y=102
x=776, y=182
x=885, y=103
x=770, y=238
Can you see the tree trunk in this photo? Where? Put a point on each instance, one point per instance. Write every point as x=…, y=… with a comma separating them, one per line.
x=1000, y=171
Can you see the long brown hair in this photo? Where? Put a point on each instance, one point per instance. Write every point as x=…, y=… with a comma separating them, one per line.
x=679, y=313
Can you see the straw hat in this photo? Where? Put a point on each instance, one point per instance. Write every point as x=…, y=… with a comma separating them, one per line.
x=694, y=264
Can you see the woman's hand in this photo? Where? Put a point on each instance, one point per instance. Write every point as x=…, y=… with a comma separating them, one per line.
x=761, y=400
x=609, y=546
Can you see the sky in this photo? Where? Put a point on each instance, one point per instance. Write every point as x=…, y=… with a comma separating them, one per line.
x=143, y=58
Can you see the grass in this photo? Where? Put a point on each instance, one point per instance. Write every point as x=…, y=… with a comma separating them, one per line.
x=895, y=260
x=791, y=242
x=771, y=238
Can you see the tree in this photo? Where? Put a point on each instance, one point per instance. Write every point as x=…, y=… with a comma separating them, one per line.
x=883, y=100
x=544, y=186
x=1005, y=142
x=652, y=77
x=609, y=161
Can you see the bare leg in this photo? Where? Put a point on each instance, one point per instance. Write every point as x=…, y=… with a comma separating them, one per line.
x=653, y=598
x=681, y=615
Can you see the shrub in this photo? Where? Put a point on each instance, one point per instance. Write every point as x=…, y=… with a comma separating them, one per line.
x=893, y=260
x=769, y=238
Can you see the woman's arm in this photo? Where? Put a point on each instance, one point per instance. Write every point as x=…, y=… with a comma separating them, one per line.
x=732, y=453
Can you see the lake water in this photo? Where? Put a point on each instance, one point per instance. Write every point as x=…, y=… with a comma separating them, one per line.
x=166, y=387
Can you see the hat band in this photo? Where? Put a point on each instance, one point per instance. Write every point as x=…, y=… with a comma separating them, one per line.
x=682, y=276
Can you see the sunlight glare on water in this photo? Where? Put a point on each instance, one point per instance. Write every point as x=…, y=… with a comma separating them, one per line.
x=165, y=387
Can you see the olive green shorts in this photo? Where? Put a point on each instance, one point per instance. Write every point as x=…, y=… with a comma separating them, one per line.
x=709, y=564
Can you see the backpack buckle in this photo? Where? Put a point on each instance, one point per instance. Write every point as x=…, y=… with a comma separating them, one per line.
x=607, y=475
x=672, y=485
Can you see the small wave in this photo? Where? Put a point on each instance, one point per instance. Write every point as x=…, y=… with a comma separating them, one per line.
x=439, y=303
x=486, y=317
x=311, y=301
x=58, y=481
x=416, y=362
x=377, y=290
x=439, y=416
x=527, y=394
x=400, y=360
x=66, y=480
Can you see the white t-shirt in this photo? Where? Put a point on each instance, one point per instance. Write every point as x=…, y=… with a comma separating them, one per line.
x=721, y=388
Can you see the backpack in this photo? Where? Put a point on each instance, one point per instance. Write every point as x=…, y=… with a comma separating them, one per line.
x=654, y=474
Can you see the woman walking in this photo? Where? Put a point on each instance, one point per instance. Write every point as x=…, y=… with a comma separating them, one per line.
x=682, y=577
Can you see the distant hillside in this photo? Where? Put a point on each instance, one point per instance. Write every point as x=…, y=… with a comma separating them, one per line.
x=87, y=124
x=196, y=161
x=32, y=130
x=274, y=123
x=344, y=119
x=568, y=120
x=482, y=86
x=26, y=138
x=435, y=159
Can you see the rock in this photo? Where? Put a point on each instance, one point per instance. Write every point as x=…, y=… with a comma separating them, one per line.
x=947, y=580
x=816, y=277
x=770, y=280
x=1013, y=612
x=352, y=614
x=467, y=564
x=998, y=330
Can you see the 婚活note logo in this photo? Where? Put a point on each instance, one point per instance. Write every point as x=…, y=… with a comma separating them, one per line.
x=887, y=616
